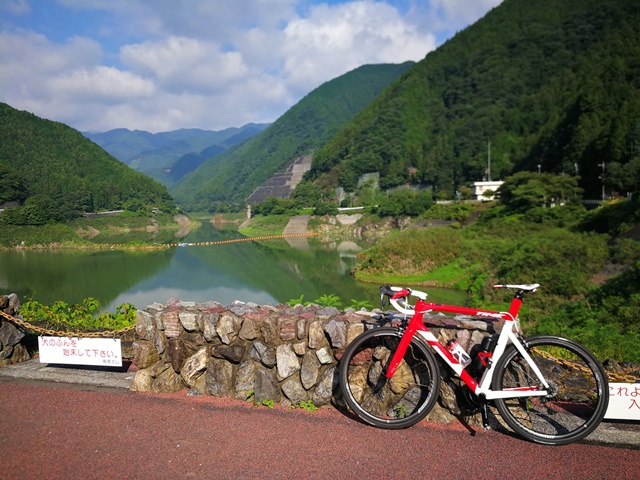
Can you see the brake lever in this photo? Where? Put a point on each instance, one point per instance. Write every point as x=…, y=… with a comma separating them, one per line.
x=384, y=300
x=385, y=291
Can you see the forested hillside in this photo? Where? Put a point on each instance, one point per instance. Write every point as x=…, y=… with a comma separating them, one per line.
x=233, y=175
x=52, y=172
x=552, y=85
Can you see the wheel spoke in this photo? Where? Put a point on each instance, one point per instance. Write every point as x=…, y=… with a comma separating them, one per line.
x=576, y=399
x=398, y=402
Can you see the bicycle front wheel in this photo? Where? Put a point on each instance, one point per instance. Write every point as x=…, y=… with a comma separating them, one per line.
x=578, y=391
x=395, y=403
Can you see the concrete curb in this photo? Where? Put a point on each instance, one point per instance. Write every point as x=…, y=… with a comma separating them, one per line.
x=70, y=374
x=618, y=434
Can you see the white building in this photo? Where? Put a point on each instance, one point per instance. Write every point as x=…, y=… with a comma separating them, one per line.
x=478, y=190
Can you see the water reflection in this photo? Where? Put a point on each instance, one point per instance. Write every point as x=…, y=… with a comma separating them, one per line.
x=71, y=276
x=269, y=272
x=266, y=272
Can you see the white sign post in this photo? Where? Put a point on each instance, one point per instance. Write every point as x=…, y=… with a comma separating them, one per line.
x=104, y=352
x=624, y=401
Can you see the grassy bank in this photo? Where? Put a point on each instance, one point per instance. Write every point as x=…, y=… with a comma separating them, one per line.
x=262, y=225
x=125, y=231
x=12, y=236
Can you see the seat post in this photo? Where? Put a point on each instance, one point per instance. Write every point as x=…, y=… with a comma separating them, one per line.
x=516, y=303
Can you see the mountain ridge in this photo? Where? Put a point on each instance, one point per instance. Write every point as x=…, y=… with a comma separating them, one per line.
x=156, y=153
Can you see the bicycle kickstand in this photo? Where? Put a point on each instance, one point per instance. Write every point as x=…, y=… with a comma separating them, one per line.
x=484, y=410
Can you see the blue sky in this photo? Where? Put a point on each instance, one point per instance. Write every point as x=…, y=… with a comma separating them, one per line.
x=160, y=65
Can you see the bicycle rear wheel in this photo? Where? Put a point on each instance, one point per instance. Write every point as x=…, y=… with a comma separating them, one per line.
x=578, y=391
x=395, y=403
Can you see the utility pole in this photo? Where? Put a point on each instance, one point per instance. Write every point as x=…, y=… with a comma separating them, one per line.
x=489, y=160
x=602, y=178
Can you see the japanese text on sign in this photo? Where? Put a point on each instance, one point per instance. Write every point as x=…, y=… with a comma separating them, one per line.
x=624, y=401
x=80, y=351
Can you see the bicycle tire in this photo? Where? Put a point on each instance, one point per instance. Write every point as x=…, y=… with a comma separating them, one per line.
x=579, y=392
x=399, y=402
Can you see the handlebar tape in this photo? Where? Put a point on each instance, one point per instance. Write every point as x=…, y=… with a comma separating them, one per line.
x=386, y=290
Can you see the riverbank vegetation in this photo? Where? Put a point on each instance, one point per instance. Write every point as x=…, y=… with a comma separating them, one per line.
x=84, y=317
x=587, y=262
x=588, y=265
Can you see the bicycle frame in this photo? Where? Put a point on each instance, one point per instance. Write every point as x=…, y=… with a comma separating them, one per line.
x=508, y=333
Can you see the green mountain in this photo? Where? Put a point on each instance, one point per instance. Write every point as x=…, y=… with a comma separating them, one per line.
x=234, y=174
x=189, y=162
x=56, y=173
x=550, y=86
x=155, y=154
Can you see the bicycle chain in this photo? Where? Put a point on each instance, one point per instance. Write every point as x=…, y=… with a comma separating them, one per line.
x=57, y=333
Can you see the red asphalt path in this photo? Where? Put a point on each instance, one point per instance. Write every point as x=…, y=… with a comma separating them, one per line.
x=54, y=432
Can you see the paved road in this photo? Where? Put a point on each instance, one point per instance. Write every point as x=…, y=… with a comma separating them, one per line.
x=56, y=431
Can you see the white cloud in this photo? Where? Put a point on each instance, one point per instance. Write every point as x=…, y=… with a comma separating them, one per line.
x=29, y=63
x=100, y=83
x=166, y=64
x=333, y=40
x=15, y=7
x=183, y=64
x=34, y=51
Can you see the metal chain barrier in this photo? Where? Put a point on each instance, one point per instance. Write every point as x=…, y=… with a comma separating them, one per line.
x=56, y=333
x=614, y=377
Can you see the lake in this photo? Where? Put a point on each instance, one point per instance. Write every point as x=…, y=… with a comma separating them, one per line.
x=265, y=273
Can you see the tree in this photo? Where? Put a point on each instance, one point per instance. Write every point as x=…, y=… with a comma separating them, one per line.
x=405, y=202
x=367, y=192
x=275, y=206
x=525, y=190
x=325, y=208
x=12, y=187
x=37, y=210
x=624, y=179
x=307, y=194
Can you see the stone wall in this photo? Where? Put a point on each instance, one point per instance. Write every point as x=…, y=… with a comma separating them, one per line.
x=266, y=353
x=11, y=350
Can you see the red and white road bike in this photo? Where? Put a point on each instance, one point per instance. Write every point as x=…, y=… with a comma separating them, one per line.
x=548, y=389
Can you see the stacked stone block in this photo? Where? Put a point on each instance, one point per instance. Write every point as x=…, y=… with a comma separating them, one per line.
x=11, y=350
x=262, y=352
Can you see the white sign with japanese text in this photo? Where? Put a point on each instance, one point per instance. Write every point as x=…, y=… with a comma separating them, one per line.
x=624, y=401
x=105, y=352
